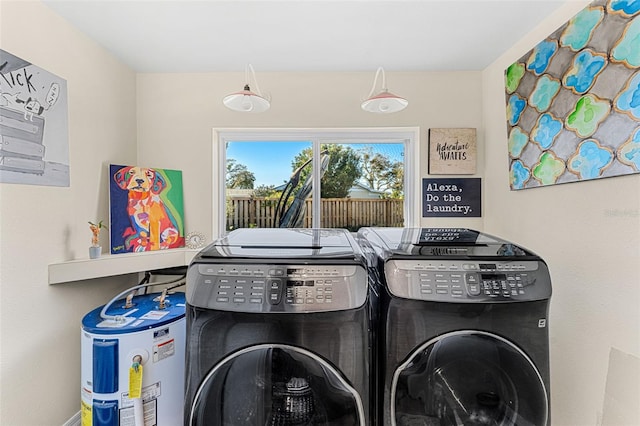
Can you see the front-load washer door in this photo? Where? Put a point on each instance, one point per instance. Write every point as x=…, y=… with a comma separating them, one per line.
x=468, y=378
x=275, y=385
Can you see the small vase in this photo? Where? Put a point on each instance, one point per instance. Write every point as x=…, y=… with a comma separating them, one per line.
x=94, y=252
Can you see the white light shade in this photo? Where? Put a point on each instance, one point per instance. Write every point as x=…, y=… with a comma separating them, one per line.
x=246, y=101
x=384, y=102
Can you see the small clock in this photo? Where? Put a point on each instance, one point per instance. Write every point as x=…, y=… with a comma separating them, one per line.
x=194, y=240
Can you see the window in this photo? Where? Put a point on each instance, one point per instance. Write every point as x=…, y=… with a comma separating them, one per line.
x=266, y=178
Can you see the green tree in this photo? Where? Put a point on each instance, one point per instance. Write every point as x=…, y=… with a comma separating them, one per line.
x=342, y=171
x=397, y=186
x=239, y=176
x=382, y=174
x=266, y=191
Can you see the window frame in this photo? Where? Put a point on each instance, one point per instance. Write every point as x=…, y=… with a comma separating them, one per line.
x=409, y=136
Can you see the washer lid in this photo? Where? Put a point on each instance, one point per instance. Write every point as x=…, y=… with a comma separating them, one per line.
x=440, y=242
x=284, y=243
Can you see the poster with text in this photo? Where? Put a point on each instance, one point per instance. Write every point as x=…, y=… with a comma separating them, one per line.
x=452, y=151
x=34, y=128
x=451, y=197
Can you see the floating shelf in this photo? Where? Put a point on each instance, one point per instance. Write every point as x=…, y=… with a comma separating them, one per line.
x=109, y=265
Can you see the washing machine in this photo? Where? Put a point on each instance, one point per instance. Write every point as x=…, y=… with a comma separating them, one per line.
x=278, y=330
x=463, y=332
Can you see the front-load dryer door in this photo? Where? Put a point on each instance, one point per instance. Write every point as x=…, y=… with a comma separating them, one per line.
x=275, y=385
x=468, y=378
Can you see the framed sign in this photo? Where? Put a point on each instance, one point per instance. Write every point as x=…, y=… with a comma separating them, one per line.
x=452, y=151
x=454, y=197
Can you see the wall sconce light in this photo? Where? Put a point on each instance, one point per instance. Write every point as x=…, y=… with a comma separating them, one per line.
x=246, y=100
x=384, y=102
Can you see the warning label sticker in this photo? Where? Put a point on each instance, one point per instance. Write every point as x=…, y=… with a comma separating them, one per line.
x=164, y=350
x=150, y=410
x=150, y=392
x=154, y=315
x=86, y=416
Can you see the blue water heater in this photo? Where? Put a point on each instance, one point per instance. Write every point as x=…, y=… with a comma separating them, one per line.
x=146, y=331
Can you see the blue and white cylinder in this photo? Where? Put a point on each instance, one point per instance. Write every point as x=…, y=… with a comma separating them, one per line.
x=149, y=330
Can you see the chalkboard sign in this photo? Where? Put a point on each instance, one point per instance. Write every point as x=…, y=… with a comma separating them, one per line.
x=455, y=197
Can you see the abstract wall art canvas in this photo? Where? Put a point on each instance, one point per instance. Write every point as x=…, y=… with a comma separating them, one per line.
x=146, y=209
x=34, y=127
x=573, y=101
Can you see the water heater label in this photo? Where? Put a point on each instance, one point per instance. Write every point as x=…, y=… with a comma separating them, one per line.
x=161, y=333
x=154, y=315
x=86, y=415
x=150, y=409
x=164, y=350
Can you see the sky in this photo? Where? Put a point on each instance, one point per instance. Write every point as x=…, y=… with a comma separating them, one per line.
x=270, y=162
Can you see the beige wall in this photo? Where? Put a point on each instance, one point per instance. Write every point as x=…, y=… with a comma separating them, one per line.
x=177, y=113
x=40, y=324
x=589, y=233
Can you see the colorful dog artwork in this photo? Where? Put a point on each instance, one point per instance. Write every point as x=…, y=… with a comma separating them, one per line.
x=146, y=209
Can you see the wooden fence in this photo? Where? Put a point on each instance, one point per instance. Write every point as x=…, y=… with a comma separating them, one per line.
x=350, y=213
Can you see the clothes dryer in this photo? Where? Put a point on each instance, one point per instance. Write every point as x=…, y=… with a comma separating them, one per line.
x=464, y=329
x=278, y=330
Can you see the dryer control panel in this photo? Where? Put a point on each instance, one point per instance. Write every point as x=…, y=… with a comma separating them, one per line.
x=276, y=288
x=468, y=281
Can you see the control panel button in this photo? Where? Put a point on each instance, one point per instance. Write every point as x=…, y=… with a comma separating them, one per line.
x=473, y=285
x=275, y=291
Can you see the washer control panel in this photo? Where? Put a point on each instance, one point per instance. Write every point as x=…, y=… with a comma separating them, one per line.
x=276, y=288
x=468, y=281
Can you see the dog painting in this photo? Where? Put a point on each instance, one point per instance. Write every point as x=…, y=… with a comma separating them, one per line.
x=146, y=209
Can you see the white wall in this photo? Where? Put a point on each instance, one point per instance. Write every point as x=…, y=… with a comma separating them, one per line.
x=40, y=324
x=589, y=233
x=177, y=112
